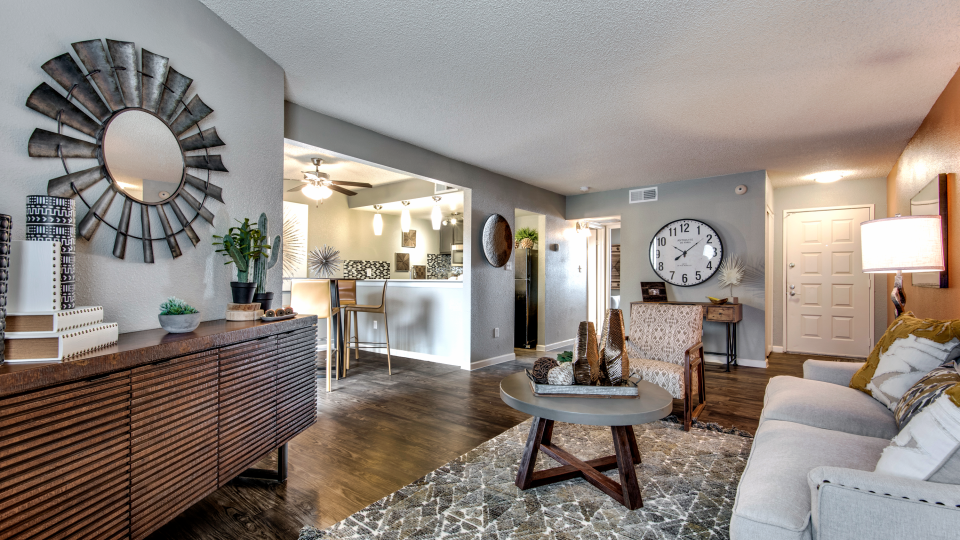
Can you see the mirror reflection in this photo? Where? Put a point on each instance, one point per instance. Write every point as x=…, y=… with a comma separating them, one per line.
x=143, y=156
x=927, y=203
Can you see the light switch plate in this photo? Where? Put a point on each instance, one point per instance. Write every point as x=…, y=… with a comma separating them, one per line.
x=496, y=332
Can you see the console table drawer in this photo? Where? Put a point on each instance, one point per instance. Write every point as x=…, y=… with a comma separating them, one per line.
x=722, y=313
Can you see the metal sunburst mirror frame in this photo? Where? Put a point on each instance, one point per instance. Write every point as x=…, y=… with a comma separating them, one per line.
x=155, y=88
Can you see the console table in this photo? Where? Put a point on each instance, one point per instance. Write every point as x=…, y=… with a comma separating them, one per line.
x=729, y=314
x=115, y=443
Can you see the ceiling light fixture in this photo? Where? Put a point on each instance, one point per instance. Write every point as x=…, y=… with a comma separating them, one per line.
x=582, y=229
x=405, y=217
x=827, y=177
x=436, y=216
x=377, y=221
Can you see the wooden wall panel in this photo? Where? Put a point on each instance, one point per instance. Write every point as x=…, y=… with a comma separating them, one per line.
x=174, y=413
x=64, y=468
x=296, y=383
x=248, y=406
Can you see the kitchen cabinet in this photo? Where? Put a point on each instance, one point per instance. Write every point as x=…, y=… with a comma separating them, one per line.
x=458, y=233
x=446, y=238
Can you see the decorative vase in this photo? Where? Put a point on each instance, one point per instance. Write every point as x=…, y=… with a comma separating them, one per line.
x=243, y=292
x=615, y=364
x=561, y=375
x=6, y=224
x=586, y=357
x=265, y=299
x=180, y=324
x=54, y=218
x=526, y=243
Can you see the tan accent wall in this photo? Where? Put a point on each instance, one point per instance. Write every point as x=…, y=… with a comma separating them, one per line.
x=934, y=149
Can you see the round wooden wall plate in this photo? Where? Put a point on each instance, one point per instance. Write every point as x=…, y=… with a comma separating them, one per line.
x=497, y=240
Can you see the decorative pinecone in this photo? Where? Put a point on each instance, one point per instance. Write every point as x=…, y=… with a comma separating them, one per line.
x=561, y=375
x=541, y=367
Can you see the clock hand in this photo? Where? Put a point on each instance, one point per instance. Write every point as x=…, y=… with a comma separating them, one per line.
x=676, y=248
x=691, y=247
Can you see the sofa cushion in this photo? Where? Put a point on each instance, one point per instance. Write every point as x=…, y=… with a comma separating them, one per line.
x=664, y=374
x=828, y=406
x=925, y=392
x=773, y=499
x=908, y=350
x=928, y=447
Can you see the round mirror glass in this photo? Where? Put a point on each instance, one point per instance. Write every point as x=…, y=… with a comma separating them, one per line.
x=142, y=156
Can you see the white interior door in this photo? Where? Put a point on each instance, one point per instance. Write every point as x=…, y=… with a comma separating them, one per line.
x=828, y=298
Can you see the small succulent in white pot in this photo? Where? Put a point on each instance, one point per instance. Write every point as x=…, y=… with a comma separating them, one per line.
x=178, y=317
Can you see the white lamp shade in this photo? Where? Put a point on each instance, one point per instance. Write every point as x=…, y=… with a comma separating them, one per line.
x=405, y=220
x=325, y=192
x=377, y=224
x=904, y=244
x=436, y=216
x=313, y=192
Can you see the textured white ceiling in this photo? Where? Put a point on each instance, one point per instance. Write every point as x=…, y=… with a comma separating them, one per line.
x=620, y=93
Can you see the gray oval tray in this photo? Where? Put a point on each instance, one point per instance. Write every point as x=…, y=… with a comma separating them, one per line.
x=627, y=390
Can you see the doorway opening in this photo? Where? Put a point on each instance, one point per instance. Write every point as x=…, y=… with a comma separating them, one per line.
x=600, y=268
x=529, y=266
x=828, y=308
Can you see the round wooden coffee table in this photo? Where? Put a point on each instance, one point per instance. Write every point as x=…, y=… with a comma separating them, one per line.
x=621, y=415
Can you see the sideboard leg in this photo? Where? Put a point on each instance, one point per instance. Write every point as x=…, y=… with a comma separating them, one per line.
x=279, y=475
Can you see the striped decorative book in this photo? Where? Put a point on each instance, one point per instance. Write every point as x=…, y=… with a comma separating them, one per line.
x=53, y=321
x=56, y=346
x=34, y=276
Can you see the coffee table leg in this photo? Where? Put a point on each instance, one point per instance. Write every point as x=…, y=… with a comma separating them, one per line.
x=541, y=431
x=624, y=443
x=634, y=449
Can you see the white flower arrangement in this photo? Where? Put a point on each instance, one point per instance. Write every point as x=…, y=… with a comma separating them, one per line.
x=730, y=273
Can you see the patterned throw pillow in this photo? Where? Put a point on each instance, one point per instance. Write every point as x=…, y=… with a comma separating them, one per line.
x=928, y=447
x=926, y=391
x=908, y=350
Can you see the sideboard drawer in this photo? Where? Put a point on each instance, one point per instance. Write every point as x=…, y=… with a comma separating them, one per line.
x=721, y=313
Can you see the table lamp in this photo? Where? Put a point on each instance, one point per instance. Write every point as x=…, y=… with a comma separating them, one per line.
x=901, y=244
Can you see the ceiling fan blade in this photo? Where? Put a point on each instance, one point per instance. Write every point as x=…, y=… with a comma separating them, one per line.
x=342, y=190
x=298, y=188
x=354, y=184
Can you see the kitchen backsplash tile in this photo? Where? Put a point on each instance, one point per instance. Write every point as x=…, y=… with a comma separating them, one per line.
x=358, y=270
x=439, y=266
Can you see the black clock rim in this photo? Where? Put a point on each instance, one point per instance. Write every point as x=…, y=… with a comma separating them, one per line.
x=653, y=267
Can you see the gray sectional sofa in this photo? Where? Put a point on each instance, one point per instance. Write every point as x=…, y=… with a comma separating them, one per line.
x=810, y=473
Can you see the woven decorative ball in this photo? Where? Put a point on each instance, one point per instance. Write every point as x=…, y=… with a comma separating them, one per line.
x=526, y=243
x=541, y=367
x=562, y=374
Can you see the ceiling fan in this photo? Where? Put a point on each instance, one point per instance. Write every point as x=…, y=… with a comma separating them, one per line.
x=318, y=185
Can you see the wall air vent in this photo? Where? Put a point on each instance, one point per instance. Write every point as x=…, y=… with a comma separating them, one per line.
x=643, y=195
x=443, y=188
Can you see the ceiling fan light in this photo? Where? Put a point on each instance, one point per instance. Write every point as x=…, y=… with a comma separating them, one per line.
x=325, y=192
x=446, y=222
x=377, y=221
x=453, y=221
x=313, y=192
x=311, y=176
x=405, y=217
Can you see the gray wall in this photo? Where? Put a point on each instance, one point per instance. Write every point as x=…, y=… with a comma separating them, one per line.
x=845, y=192
x=351, y=231
x=491, y=289
x=737, y=218
x=242, y=85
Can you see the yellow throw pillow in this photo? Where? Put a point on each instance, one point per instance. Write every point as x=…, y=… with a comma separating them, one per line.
x=908, y=350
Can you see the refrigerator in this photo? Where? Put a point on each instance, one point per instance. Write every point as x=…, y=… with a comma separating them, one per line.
x=525, y=299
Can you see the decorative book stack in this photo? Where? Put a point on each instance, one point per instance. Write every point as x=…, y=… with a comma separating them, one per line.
x=53, y=335
x=53, y=219
x=6, y=225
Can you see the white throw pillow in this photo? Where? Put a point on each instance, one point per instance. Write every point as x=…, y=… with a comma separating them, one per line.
x=928, y=447
x=904, y=363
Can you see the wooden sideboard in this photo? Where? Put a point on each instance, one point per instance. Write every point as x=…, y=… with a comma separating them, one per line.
x=115, y=443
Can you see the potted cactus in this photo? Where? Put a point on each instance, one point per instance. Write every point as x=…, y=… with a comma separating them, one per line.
x=264, y=263
x=178, y=317
x=242, y=246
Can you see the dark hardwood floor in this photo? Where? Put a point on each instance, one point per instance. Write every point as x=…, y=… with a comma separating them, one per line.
x=376, y=434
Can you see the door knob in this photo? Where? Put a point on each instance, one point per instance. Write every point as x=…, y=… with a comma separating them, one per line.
x=791, y=265
x=792, y=293
x=793, y=286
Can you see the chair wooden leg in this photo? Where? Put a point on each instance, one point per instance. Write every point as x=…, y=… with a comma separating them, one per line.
x=329, y=332
x=387, y=330
x=346, y=328
x=356, y=337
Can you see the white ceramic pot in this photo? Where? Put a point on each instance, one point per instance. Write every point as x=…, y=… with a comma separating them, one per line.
x=180, y=324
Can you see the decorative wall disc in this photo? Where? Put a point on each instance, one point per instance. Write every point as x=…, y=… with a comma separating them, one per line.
x=497, y=240
x=146, y=140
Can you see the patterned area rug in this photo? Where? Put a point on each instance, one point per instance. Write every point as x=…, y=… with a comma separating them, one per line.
x=688, y=480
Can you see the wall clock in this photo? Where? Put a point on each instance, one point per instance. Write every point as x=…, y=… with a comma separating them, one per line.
x=686, y=252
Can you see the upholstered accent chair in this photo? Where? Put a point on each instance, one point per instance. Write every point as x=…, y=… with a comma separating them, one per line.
x=666, y=349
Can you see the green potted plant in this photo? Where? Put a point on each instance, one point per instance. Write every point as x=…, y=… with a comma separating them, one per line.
x=264, y=263
x=242, y=246
x=526, y=238
x=178, y=317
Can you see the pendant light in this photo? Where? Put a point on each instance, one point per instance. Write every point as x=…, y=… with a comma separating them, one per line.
x=405, y=217
x=377, y=221
x=436, y=216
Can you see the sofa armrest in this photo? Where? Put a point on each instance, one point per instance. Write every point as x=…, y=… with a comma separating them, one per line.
x=831, y=372
x=848, y=504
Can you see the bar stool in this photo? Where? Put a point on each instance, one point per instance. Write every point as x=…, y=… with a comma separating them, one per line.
x=314, y=297
x=382, y=308
x=348, y=297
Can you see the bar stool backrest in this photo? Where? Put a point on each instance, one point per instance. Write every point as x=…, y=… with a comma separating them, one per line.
x=383, y=296
x=348, y=291
x=311, y=298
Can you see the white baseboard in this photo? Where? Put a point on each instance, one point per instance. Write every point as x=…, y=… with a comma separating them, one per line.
x=558, y=345
x=777, y=348
x=541, y=348
x=491, y=361
x=418, y=356
x=743, y=362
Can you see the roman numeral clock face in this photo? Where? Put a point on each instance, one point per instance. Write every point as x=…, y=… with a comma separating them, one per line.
x=686, y=252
